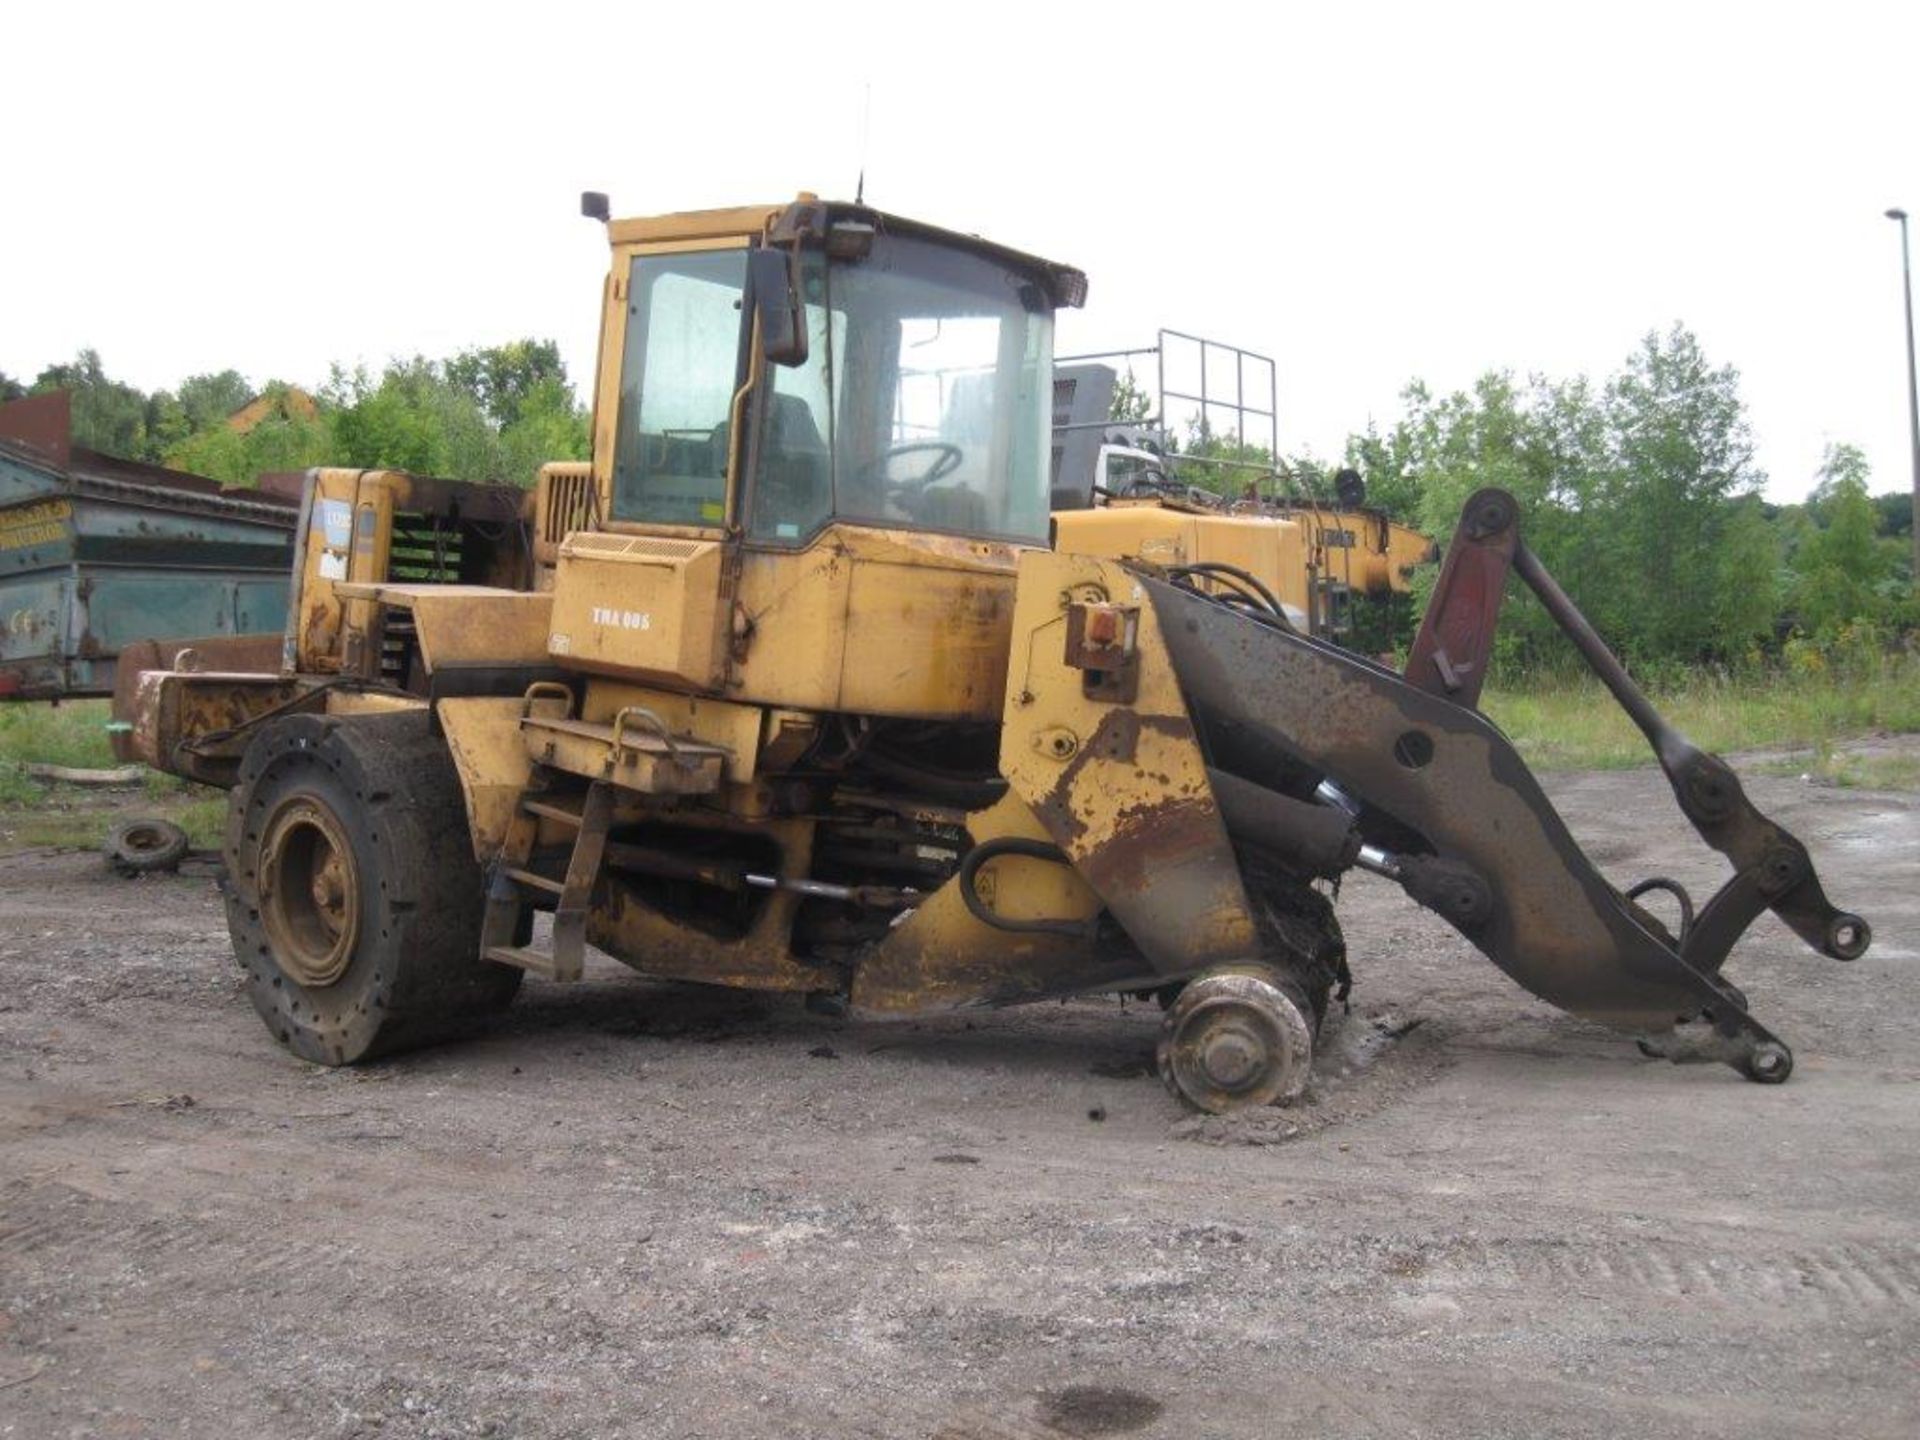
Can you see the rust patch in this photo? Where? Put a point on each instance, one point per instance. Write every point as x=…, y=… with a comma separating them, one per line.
x=1149, y=838
x=1117, y=739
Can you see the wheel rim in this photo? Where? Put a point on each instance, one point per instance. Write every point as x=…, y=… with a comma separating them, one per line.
x=1234, y=1040
x=309, y=892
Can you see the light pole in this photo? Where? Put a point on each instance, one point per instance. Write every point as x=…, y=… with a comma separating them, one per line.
x=1913, y=386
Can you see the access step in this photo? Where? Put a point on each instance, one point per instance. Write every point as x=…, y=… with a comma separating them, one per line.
x=513, y=888
x=636, y=752
x=534, y=962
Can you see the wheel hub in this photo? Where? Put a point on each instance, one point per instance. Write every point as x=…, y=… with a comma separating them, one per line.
x=309, y=892
x=1235, y=1039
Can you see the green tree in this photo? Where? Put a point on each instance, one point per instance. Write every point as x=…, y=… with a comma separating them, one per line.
x=1840, y=569
x=1385, y=462
x=1226, y=466
x=417, y=417
x=1748, y=583
x=549, y=425
x=280, y=442
x=1635, y=494
x=1682, y=452
x=209, y=400
x=504, y=378
x=1131, y=403
x=411, y=418
x=202, y=403
x=10, y=388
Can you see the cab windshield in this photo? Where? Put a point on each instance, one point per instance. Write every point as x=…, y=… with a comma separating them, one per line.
x=923, y=403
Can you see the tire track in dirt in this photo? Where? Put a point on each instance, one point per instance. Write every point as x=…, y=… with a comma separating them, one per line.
x=1835, y=1278
x=62, y=1238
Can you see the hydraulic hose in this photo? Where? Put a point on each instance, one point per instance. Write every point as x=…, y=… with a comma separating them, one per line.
x=1033, y=850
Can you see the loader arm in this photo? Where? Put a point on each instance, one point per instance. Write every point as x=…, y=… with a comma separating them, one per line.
x=1770, y=862
x=1444, y=804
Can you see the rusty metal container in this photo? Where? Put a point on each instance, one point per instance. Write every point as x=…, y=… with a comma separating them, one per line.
x=98, y=553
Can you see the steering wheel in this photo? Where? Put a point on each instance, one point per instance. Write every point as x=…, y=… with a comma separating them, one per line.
x=946, y=460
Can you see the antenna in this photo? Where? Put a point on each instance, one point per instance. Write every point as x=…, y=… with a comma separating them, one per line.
x=866, y=134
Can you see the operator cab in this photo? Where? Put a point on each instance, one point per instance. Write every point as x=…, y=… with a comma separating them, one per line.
x=841, y=366
x=821, y=433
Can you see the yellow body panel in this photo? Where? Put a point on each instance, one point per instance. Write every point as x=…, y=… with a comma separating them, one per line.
x=656, y=944
x=876, y=622
x=1120, y=785
x=1271, y=548
x=467, y=625
x=341, y=584
x=369, y=702
x=320, y=615
x=696, y=224
x=941, y=957
x=734, y=728
x=491, y=758
x=640, y=605
x=1363, y=549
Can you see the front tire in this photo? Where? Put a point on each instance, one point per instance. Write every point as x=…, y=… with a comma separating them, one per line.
x=353, y=896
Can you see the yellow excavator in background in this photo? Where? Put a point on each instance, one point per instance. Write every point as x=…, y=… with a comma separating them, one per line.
x=1121, y=487
x=787, y=689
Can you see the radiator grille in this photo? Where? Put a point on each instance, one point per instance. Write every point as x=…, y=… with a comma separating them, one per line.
x=566, y=501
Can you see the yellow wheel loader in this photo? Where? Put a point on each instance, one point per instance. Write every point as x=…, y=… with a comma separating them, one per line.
x=787, y=690
x=1121, y=487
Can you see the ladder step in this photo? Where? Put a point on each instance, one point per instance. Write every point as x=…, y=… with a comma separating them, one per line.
x=534, y=962
x=537, y=882
x=547, y=810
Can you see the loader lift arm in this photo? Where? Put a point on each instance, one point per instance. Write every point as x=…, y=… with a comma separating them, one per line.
x=1770, y=864
x=1447, y=806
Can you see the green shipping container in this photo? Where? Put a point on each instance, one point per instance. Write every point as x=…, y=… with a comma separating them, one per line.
x=97, y=552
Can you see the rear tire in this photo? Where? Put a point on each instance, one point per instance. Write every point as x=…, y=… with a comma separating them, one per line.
x=353, y=897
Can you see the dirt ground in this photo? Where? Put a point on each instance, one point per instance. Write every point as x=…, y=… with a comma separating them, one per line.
x=631, y=1210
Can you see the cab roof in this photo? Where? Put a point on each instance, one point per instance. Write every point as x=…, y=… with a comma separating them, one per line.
x=807, y=217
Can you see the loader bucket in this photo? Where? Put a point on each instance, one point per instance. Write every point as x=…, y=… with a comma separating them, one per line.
x=1444, y=799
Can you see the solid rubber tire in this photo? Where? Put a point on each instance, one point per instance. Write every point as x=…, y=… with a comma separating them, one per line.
x=415, y=976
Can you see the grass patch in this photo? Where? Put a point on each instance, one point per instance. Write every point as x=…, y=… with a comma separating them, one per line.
x=78, y=817
x=1575, y=724
x=1851, y=770
x=71, y=734
x=36, y=813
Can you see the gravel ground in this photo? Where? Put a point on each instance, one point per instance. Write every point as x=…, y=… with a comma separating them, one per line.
x=634, y=1210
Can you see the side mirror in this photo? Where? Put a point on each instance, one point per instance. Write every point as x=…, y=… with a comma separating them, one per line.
x=773, y=277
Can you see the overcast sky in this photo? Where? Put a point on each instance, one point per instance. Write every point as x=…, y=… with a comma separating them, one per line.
x=1369, y=193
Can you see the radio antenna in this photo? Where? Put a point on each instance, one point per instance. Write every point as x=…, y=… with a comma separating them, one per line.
x=866, y=134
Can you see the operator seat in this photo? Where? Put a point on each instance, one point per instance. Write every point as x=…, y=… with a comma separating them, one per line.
x=794, y=492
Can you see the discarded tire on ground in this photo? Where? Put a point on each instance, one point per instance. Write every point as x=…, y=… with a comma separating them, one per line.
x=353, y=898
x=141, y=847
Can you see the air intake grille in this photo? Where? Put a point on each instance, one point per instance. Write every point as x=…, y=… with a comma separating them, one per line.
x=569, y=501
x=636, y=547
x=425, y=550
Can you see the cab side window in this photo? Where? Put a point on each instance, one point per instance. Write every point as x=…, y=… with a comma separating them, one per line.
x=793, y=489
x=677, y=380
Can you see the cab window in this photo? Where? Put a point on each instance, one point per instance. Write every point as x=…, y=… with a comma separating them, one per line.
x=678, y=376
x=924, y=403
